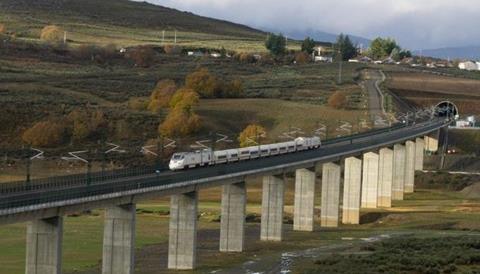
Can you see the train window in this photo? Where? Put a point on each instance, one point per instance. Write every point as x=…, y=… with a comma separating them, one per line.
x=273, y=149
x=254, y=152
x=264, y=151
x=290, y=147
x=177, y=157
x=222, y=157
x=245, y=152
x=234, y=155
x=283, y=148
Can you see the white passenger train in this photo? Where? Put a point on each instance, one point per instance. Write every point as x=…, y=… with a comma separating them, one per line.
x=205, y=157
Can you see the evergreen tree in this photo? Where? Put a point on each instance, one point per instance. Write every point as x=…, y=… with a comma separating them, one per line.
x=344, y=48
x=276, y=44
x=308, y=45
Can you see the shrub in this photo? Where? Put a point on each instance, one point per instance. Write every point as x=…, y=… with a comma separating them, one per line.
x=52, y=33
x=173, y=49
x=338, y=100
x=251, y=135
x=204, y=83
x=246, y=57
x=46, y=134
x=142, y=56
x=302, y=58
x=85, y=52
x=234, y=89
x=94, y=53
x=136, y=103
x=161, y=95
x=3, y=29
x=87, y=123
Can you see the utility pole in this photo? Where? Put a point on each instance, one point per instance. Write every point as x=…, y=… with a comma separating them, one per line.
x=175, y=41
x=159, y=152
x=163, y=37
x=104, y=158
x=29, y=163
x=65, y=37
x=340, y=63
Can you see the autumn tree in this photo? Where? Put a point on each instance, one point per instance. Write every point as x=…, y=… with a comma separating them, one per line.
x=87, y=123
x=3, y=29
x=204, y=83
x=161, y=95
x=46, y=134
x=181, y=120
x=52, y=34
x=251, y=135
x=338, y=100
x=184, y=98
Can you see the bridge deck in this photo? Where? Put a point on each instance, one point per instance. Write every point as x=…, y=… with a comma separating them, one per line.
x=26, y=202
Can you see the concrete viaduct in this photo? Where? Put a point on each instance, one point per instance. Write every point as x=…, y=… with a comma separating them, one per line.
x=374, y=168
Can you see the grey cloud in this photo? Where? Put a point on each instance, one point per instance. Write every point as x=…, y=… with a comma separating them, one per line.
x=414, y=23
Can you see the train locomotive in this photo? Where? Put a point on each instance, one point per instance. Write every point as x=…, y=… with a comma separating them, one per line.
x=206, y=157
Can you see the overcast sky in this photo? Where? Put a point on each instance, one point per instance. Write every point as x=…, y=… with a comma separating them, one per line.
x=414, y=23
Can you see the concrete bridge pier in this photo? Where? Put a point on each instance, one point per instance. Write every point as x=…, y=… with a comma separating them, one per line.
x=44, y=246
x=398, y=184
x=272, y=208
x=232, y=225
x=419, y=153
x=370, y=180
x=431, y=142
x=304, y=203
x=352, y=190
x=385, y=178
x=182, y=243
x=330, y=195
x=119, y=240
x=409, y=166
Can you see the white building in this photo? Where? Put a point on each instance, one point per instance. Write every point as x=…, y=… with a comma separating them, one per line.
x=325, y=59
x=468, y=65
x=478, y=65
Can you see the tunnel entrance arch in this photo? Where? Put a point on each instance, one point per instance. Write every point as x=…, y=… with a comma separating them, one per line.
x=447, y=109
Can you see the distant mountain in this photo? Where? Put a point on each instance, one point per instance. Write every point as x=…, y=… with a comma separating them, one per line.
x=472, y=53
x=322, y=36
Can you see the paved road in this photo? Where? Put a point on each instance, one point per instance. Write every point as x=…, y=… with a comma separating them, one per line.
x=373, y=79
